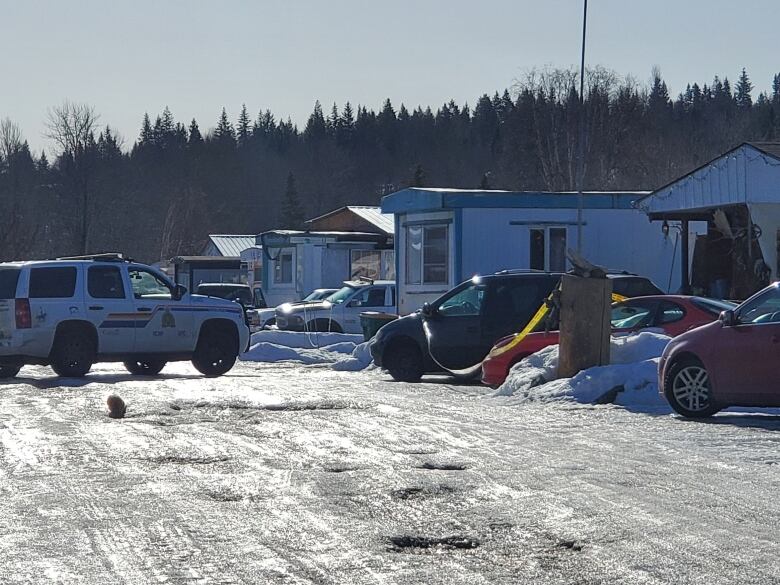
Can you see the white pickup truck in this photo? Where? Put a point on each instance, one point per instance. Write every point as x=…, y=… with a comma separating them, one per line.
x=73, y=312
x=340, y=312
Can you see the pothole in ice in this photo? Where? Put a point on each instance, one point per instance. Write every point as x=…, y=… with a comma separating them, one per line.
x=292, y=406
x=409, y=493
x=408, y=542
x=188, y=459
x=569, y=545
x=432, y=465
x=340, y=469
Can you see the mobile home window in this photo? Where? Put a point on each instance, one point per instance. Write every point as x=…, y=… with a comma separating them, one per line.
x=427, y=254
x=366, y=263
x=548, y=249
x=283, y=268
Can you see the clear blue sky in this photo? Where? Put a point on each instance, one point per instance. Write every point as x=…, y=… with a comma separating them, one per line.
x=135, y=56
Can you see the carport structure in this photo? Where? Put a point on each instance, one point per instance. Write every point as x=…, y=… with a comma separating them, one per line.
x=726, y=216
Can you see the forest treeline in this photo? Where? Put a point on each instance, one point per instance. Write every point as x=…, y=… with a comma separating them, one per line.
x=161, y=195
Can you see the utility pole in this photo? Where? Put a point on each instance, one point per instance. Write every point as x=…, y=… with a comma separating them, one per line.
x=581, y=140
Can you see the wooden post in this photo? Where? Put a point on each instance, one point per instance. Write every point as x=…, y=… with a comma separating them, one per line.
x=586, y=306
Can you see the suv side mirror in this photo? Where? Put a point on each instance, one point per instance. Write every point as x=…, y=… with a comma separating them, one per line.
x=427, y=310
x=728, y=318
x=355, y=303
x=179, y=291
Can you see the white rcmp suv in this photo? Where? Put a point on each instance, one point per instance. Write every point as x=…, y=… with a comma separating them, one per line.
x=72, y=312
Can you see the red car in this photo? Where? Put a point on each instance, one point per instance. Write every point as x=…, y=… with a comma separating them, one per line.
x=731, y=362
x=674, y=314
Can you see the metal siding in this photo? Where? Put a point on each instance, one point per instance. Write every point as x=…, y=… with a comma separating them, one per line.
x=744, y=175
x=457, y=244
x=230, y=245
x=374, y=215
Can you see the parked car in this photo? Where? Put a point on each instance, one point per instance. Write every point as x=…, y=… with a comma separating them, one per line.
x=74, y=312
x=458, y=330
x=340, y=312
x=252, y=299
x=730, y=362
x=672, y=314
x=263, y=318
x=242, y=293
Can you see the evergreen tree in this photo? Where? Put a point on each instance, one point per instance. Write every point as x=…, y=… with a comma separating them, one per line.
x=147, y=135
x=225, y=133
x=195, y=139
x=418, y=180
x=291, y=215
x=316, y=129
x=42, y=164
x=776, y=89
x=744, y=87
x=243, y=126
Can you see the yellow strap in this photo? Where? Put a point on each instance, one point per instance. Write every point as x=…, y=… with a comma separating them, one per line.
x=540, y=314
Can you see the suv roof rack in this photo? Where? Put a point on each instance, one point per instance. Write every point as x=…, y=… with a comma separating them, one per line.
x=103, y=257
x=521, y=271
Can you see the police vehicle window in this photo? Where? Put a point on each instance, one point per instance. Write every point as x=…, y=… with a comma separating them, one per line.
x=53, y=283
x=670, y=313
x=467, y=302
x=8, y=279
x=146, y=284
x=105, y=282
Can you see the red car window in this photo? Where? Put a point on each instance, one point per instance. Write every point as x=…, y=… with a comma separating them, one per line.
x=632, y=314
x=670, y=313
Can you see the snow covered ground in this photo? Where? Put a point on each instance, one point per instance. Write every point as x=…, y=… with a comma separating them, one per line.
x=340, y=351
x=287, y=473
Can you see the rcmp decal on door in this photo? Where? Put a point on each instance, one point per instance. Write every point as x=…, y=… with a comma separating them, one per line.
x=141, y=320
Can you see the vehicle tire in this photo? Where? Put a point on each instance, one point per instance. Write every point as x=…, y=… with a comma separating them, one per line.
x=216, y=351
x=324, y=326
x=404, y=363
x=73, y=353
x=9, y=372
x=687, y=388
x=145, y=367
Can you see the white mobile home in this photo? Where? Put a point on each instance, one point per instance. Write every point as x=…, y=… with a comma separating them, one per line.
x=346, y=243
x=444, y=236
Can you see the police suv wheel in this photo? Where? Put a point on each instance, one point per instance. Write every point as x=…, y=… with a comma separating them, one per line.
x=215, y=353
x=9, y=371
x=73, y=354
x=145, y=367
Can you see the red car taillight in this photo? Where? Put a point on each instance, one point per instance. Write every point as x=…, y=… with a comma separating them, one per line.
x=23, y=314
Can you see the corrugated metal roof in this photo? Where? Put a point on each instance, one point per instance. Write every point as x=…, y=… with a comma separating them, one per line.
x=374, y=215
x=232, y=245
x=770, y=148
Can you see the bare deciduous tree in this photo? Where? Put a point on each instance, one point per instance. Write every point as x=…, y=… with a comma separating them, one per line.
x=72, y=127
x=10, y=139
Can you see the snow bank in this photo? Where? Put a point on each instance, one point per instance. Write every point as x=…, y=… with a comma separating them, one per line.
x=341, y=351
x=303, y=340
x=634, y=366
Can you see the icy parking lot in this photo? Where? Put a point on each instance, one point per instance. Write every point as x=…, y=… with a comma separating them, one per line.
x=286, y=473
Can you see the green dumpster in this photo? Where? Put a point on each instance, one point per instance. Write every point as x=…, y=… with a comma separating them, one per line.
x=371, y=321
